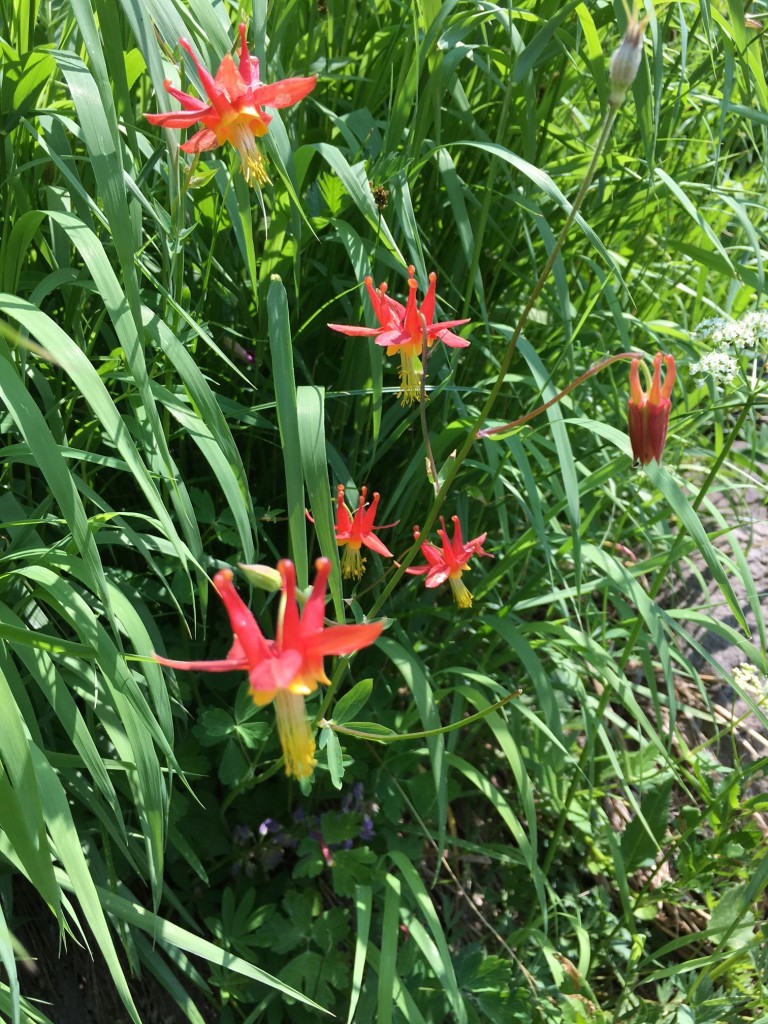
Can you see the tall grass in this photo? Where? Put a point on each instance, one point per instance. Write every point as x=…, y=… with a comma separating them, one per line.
x=172, y=401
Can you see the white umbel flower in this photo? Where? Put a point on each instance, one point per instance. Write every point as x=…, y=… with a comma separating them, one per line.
x=744, y=333
x=718, y=365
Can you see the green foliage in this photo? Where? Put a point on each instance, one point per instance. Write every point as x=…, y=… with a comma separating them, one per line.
x=172, y=402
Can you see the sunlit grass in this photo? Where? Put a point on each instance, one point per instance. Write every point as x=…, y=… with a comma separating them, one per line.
x=173, y=402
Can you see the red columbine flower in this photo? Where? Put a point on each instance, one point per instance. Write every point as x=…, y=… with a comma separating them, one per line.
x=289, y=667
x=649, y=411
x=449, y=563
x=400, y=330
x=354, y=531
x=235, y=113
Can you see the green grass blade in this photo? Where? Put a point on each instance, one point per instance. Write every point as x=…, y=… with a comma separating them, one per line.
x=438, y=956
x=90, y=385
x=66, y=839
x=364, y=913
x=8, y=960
x=412, y=670
x=287, y=418
x=310, y=411
x=661, y=478
x=33, y=427
x=169, y=934
x=136, y=732
x=390, y=932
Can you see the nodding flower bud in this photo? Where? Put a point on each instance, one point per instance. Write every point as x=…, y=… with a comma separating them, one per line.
x=626, y=60
x=263, y=576
x=649, y=410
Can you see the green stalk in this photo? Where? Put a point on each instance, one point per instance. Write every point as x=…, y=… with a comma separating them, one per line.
x=423, y=405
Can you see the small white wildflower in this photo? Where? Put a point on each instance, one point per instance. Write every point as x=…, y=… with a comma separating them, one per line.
x=718, y=365
x=756, y=322
x=706, y=328
x=737, y=333
x=745, y=333
x=747, y=676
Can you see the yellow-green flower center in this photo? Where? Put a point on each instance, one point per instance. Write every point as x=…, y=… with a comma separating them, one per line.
x=352, y=561
x=295, y=734
x=410, y=374
x=241, y=136
x=460, y=591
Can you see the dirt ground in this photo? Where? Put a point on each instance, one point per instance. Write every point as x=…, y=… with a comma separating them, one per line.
x=731, y=708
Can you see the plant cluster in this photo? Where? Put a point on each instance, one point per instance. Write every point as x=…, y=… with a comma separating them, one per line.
x=359, y=796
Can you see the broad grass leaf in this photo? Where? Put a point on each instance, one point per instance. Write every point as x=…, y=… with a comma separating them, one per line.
x=390, y=930
x=171, y=935
x=136, y=731
x=363, y=915
x=688, y=516
x=32, y=1015
x=30, y=849
x=230, y=485
x=92, y=97
x=90, y=385
x=65, y=836
x=434, y=946
x=8, y=960
x=159, y=967
x=129, y=328
x=412, y=670
x=310, y=411
x=383, y=963
x=643, y=837
x=355, y=181
x=42, y=669
x=16, y=248
x=566, y=461
x=288, y=421
x=354, y=700
x=224, y=458
x=37, y=435
x=543, y=181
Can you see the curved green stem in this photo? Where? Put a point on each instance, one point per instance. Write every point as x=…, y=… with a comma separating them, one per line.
x=423, y=405
x=396, y=737
x=487, y=432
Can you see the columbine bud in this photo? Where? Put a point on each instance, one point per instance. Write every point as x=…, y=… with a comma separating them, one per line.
x=649, y=412
x=262, y=576
x=626, y=61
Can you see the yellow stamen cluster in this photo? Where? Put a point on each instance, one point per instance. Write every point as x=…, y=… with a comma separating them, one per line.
x=410, y=376
x=460, y=591
x=254, y=167
x=295, y=734
x=352, y=562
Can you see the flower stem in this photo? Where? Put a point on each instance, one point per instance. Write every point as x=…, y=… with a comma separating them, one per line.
x=423, y=406
x=487, y=432
x=396, y=737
